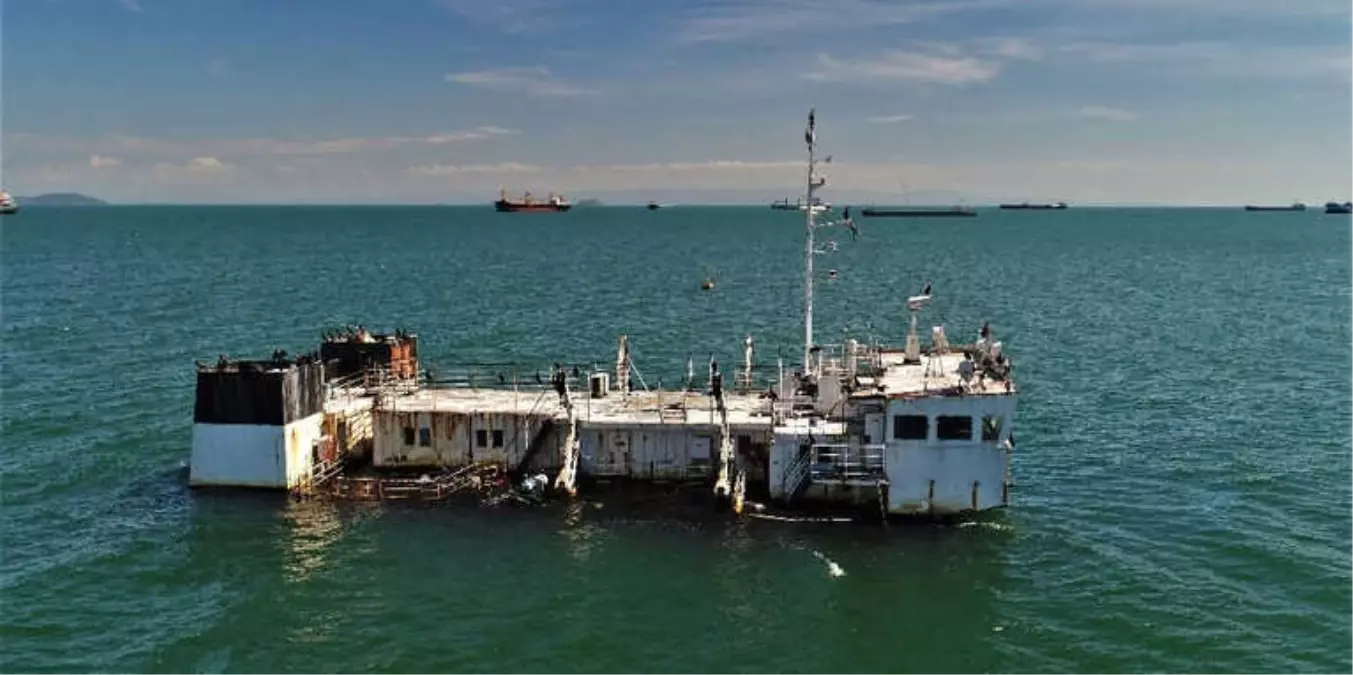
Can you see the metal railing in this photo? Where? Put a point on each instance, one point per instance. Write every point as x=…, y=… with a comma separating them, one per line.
x=795, y=474
x=836, y=359
x=847, y=463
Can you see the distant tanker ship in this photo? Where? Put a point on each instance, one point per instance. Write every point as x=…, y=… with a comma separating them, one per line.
x=556, y=203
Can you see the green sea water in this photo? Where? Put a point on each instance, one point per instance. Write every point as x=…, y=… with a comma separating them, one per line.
x=1182, y=497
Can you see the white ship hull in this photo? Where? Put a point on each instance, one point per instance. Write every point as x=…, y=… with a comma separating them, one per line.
x=254, y=455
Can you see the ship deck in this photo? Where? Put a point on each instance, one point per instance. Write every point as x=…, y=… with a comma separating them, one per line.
x=636, y=409
x=933, y=375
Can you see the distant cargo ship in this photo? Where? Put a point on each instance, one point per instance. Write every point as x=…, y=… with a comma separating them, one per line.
x=7, y=203
x=957, y=211
x=555, y=203
x=1026, y=206
x=1297, y=206
x=1336, y=207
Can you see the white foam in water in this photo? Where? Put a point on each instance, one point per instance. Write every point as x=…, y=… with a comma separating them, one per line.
x=996, y=527
x=832, y=568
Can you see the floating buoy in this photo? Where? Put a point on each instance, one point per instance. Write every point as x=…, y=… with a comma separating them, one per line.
x=707, y=285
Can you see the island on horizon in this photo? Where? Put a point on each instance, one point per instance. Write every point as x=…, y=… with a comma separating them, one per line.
x=60, y=199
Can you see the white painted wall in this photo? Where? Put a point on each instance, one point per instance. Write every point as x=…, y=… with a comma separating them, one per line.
x=300, y=437
x=953, y=466
x=782, y=451
x=253, y=455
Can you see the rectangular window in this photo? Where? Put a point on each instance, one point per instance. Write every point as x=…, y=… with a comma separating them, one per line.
x=953, y=428
x=991, y=428
x=481, y=437
x=425, y=437
x=408, y=435
x=497, y=438
x=910, y=427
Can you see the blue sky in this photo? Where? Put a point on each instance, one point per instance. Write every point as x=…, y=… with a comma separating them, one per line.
x=1092, y=101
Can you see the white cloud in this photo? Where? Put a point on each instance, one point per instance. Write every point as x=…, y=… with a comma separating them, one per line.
x=712, y=165
x=1215, y=8
x=120, y=143
x=713, y=173
x=516, y=17
x=101, y=162
x=197, y=167
x=536, y=81
x=735, y=20
x=1104, y=113
x=456, y=169
x=205, y=164
x=902, y=66
x=1222, y=59
x=889, y=119
x=1011, y=48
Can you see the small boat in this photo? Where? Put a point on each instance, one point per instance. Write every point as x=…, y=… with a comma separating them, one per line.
x=708, y=283
x=654, y=206
x=1336, y=207
x=7, y=203
x=956, y=211
x=1295, y=206
x=1026, y=206
x=554, y=203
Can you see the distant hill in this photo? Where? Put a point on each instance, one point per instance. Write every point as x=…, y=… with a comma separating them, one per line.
x=60, y=199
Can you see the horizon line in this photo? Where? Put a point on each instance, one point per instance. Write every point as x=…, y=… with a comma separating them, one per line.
x=994, y=204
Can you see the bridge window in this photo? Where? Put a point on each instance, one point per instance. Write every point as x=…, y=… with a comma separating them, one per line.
x=481, y=438
x=408, y=435
x=910, y=427
x=991, y=427
x=497, y=438
x=953, y=428
x=425, y=437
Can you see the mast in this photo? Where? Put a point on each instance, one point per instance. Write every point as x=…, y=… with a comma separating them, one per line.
x=810, y=224
x=810, y=137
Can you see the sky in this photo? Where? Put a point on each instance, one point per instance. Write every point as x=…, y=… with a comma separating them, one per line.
x=449, y=101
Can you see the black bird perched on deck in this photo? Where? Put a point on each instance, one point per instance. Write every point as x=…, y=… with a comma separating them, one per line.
x=926, y=290
x=539, y=379
x=501, y=379
x=986, y=329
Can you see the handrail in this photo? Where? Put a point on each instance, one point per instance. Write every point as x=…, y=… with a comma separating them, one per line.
x=796, y=473
x=842, y=460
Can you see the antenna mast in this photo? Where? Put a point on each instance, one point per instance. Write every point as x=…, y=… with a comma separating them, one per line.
x=810, y=219
x=810, y=137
